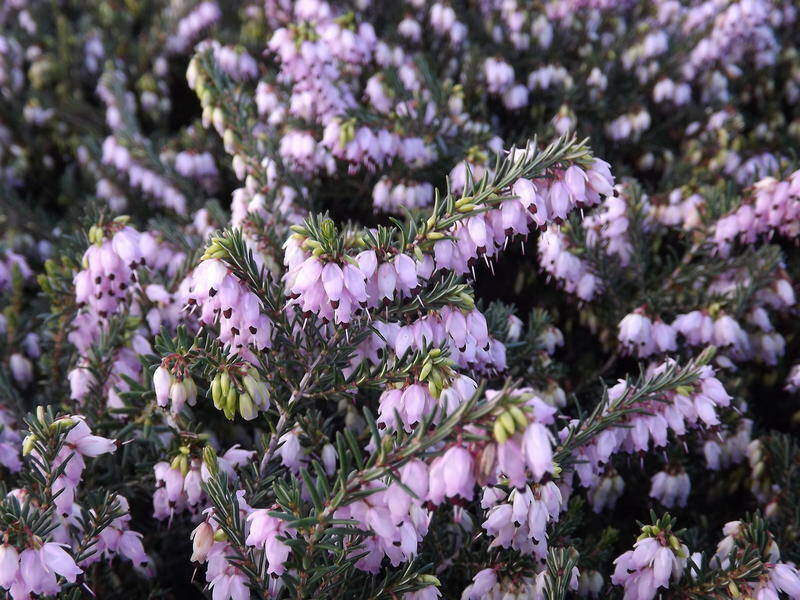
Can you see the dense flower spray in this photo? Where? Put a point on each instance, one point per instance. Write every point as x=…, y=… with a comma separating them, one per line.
x=335, y=300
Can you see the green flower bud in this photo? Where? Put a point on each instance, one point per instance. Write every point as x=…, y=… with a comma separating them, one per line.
x=519, y=417
x=507, y=421
x=210, y=460
x=61, y=425
x=425, y=371
x=467, y=301
x=27, y=444
x=246, y=407
x=231, y=403
x=220, y=536
x=216, y=392
x=500, y=433
x=225, y=383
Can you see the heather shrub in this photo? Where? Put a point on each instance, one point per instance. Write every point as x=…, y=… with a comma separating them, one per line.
x=403, y=300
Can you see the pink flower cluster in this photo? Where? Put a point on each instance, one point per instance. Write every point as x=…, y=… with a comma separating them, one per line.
x=751, y=169
x=222, y=298
x=35, y=569
x=265, y=532
x=391, y=196
x=487, y=584
x=9, y=441
x=608, y=488
x=337, y=291
x=300, y=152
x=396, y=520
x=177, y=491
x=371, y=149
x=532, y=203
x=609, y=225
x=526, y=456
x=499, y=75
x=117, y=539
x=79, y=443
x=679, y=411
x=234, y=61
x=141, y=176
x=641, y=336
x=649, y=566
x=500, y=80
x=314, y=65
x=465, y=333
x=740, y=28
x=671, y=487
x=573, y=273
x=698, y=328
x=520, y=519
x=191, y=26
x=413, y=403
x=197, y=165
x=322, y=67
x=105, y=286
x=125, y=363
x=178, y=388
x=225, y=579
x=334, y=291
x=728, y=446
x=629, y=126
x=110, y=269
x=782, y=578
x=667, y=90
x=549, y=76
x=773, y=207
